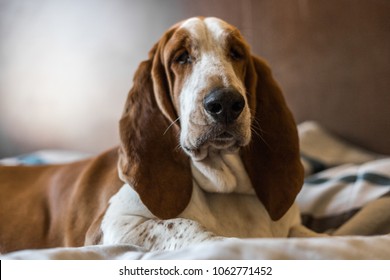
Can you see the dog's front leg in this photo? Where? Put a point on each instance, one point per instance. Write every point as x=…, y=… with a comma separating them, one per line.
x=127, y=221
x=171, y=234
x=157, y=235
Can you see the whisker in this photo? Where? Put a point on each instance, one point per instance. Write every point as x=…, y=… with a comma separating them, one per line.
x=178, y=147
x=171, y=125
x=253, y=129
x=258, y=131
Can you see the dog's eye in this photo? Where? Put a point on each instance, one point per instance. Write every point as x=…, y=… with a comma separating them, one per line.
x=183, y=58
x=236, y=54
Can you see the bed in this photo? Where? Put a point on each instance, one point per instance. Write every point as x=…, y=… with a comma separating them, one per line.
x=346, y=194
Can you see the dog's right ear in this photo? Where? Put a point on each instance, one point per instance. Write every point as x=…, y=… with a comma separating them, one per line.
x=272, y=158
x=149, y=158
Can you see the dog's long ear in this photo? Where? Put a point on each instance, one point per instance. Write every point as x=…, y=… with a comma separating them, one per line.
x=149, y=158
x=272, y=158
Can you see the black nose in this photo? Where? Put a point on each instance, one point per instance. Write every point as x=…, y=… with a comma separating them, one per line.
x=224, y=105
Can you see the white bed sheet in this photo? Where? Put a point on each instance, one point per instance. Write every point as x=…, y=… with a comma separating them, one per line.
x=287, y=249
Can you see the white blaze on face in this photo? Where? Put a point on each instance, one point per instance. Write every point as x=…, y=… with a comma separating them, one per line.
x=211, y=68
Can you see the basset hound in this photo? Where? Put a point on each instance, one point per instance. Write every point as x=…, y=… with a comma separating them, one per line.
x=208, y=150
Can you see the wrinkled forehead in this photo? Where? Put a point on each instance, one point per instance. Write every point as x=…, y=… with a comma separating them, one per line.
x=212, y=30
x=200, y=28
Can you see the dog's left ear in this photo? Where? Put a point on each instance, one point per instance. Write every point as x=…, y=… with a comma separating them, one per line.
x=149, y=157
x=272, y=158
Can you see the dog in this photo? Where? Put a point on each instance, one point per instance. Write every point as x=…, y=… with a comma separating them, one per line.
x=208, y=150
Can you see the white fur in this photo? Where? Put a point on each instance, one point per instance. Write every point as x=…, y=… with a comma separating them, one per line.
x=211, y=62
x=222, y=173
x=128, y=221
x=223, y=200
x=116, y=220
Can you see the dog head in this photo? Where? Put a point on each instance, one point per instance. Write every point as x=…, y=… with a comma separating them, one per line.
x=201, y=90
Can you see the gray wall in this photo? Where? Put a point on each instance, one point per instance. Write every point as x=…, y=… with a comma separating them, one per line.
x=66, y=68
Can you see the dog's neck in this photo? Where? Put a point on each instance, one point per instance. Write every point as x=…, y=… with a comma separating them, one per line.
x=222, y=172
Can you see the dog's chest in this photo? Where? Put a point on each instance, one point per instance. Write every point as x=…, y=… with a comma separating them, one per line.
x=223, y=200
x=231, y=215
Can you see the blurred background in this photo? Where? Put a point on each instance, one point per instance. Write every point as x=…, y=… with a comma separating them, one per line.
x=66, y=65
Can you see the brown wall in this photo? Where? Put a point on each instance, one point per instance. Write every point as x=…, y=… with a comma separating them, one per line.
x=332, y=59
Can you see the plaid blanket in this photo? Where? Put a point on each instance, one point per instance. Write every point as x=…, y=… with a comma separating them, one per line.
x=347, y=189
